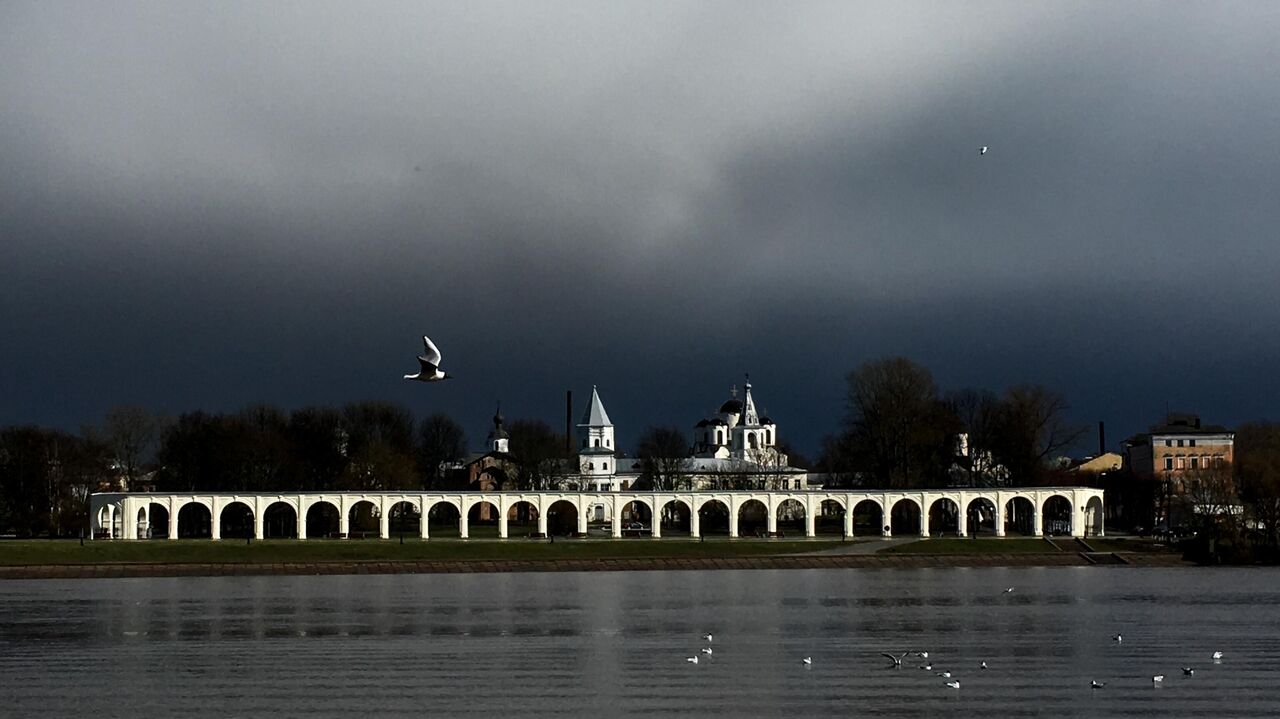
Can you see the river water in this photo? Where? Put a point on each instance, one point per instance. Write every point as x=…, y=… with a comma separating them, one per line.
x=615, y=644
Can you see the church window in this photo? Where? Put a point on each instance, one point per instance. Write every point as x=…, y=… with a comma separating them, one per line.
x=591, y=465
x=768, y=436
x=719, y=437
x=597, y=442
x=751, y=440
x=604, y=466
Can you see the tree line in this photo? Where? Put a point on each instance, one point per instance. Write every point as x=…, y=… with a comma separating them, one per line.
x=901, y=432
x=46, y=475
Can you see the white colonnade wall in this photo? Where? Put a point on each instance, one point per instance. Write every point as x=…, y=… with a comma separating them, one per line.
x=128, y=515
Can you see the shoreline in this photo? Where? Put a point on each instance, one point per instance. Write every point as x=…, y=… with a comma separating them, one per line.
x=116, y=570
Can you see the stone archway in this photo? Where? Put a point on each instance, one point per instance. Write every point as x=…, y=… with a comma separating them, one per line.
x=1056, y=516
x=869, y=520
x=522, y=519
x=444, y=519
x=1093, y=519
x=323, y=520
x=1019, y=516
x=195, y=521
x=830, y=519
x=944, y=518
x=637, y=519
x=562, y=518
x=904, y=517
x=158, y=521
x=482, y=520
x=404, y=519
x=980, y=517
x=235, y=521
x=753, y=519
x=790, y=518
x=713, y=518
x=677, y=520
x=364, y=520
x=279, y=521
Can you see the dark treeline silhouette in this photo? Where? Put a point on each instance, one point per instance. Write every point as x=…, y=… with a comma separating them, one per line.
x=901, y=432
x=46, y=474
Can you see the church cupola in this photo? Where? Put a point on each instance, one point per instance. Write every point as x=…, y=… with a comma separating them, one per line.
x=498, y=440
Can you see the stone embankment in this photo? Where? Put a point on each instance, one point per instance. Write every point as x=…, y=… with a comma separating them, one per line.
x=809, y=561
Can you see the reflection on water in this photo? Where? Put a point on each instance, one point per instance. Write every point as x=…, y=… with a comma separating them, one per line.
x=597, y=644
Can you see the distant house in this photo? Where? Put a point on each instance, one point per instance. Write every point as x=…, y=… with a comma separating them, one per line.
x=1157, y=465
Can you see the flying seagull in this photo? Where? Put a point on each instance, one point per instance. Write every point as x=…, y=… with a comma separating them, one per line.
x=1157, y=678
x=691, y=660
x=897, y=660
x=1188, y=671
x=982, y=150
x=982, y=666
x=706, y=650
x=1217, y=656
x=430, y=362
x=707, y=637
x=954, y=685
x=1009, y=590
x=1118, y=638
x=1097, y=684
x=807, y=661
x=945, y=675
x=922, y=655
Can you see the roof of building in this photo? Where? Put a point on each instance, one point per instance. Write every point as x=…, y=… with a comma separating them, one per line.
x=732, y=406
x=595, y=416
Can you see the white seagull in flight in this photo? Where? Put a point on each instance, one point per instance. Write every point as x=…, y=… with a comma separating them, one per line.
x=430, y=364
x=982, y=150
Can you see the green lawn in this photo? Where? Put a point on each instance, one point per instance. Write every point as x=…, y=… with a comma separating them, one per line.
x=989, y=545
x=38, y=552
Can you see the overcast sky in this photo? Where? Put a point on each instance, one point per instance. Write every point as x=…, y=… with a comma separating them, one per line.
x=205, y=205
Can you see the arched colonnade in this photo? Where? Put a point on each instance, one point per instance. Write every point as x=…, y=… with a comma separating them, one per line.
x=1034, y=511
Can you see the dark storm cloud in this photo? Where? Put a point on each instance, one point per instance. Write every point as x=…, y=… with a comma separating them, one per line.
x=206, y=206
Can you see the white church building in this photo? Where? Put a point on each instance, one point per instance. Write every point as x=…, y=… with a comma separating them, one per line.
x=735, y=449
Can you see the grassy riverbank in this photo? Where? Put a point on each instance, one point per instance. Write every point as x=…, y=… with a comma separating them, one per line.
x=203, y=551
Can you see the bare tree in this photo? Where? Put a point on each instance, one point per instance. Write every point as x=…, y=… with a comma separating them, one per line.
x=441, y=442
x=899, y=429
x=132, y=432
x=1032, y=429
x=978, y=415
x=664, y=458
x=1257, y=471
x=540, y=462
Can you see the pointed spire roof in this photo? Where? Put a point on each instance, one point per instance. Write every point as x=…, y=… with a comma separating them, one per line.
x=750, y=417
x=595, y=415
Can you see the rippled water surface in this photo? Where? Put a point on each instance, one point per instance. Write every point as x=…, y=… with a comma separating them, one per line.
x=613, y=644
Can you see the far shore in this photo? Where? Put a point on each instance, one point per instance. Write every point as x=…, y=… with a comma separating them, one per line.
x=66, y=559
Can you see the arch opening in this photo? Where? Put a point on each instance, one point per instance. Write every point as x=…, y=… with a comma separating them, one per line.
x=195, y=521
x=677, y=520
x=444, y=519
x=868, y=519
x=830, y=519
x=404, y=519
x=904, y=517
x=562, y=518
x=1093, y=519
x=158, y=522
x=944, y=518
x=791, y=518
x=1057, y=515
x=236, y=521
x=713, y=518
x=364, y=520
x=980, y=517
x=522, y=519
x=1019, y=516
x=637, y=519
x=753, y=519
x=279, y=521
x=323, y=520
